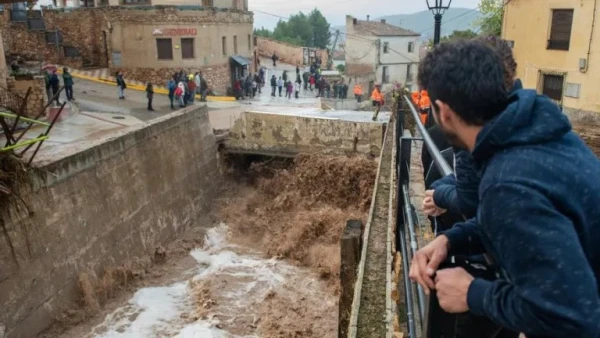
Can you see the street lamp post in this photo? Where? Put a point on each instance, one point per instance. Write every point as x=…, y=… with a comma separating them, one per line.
x=438, y=7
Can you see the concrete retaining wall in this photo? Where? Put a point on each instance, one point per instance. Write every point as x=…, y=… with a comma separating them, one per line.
x=288, y=135
x=112, y=203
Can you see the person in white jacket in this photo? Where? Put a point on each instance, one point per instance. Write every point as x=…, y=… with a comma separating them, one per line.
x=296, y=88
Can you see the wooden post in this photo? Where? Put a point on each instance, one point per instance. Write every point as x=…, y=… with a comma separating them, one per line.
x=350, y=243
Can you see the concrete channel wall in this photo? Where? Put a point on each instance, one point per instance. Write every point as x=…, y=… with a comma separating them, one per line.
x=112, y=203
x=288, y=135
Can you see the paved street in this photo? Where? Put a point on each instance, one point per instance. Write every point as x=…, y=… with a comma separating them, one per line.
x=101, y=113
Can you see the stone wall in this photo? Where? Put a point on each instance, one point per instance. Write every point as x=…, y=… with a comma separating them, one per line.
x=37, y=98
x=287, y=53
x=89, y=29
x=80, y=29
x=288, y=135
x=217, y=77
x=111, y=203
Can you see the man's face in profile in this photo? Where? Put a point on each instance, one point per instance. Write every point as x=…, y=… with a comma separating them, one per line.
x=446, y=120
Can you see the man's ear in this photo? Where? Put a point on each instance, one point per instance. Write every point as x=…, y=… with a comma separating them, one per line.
x=446, y=114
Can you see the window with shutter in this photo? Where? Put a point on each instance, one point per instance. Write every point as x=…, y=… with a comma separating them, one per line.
x=552, y=86
x=164, y=49
x=560, y=30
x=187, y=48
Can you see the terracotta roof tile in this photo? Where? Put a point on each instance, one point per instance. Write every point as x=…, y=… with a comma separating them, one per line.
x=382, y=29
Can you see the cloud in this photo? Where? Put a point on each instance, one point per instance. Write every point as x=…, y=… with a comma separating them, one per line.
x=336, y=10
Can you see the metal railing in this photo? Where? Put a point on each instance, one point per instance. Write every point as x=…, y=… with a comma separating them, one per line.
x=418, y=321
x=430, y=320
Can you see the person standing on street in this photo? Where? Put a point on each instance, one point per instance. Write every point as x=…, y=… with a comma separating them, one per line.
x=54, y=85
x=274, y=58
x=203, y=88
x=198, y=81
x=150, y=95
x=377, y=98
x=121, y=86
x=48, y=89
x=254, y=85
x=68, y=81
x=296, y=88
x=179, y=94
x=192, y=88
x=358, y=93
x=280, y=85
x=345, y=91
x=289, y=89
x=172, y=85
x=273, y=85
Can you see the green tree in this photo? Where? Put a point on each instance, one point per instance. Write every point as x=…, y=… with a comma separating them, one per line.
x=297, y=28
x=300, y=30
x=321, y=29
x=262, y=31
x=341, y=68
x=490, y=22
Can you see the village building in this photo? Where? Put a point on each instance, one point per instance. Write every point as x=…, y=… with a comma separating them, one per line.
x=560, y=55
x=377, y=52
x=145, y=41
x=339, y=58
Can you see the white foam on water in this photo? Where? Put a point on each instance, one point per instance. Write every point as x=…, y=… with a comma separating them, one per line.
x=158, y=311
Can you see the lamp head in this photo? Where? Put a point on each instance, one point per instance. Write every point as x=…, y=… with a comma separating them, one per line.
x=438, y=7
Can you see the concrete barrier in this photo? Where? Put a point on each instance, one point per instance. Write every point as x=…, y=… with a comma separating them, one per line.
x=289, y=135
x=112, y=203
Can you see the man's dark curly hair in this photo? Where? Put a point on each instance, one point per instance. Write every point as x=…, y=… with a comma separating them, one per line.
x=502, y=47
x=468, y=75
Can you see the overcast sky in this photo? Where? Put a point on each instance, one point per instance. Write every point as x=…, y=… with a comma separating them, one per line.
x=336, y=10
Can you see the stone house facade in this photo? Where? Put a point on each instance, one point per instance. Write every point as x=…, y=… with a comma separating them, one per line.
x=377, y=52
x=148, y=43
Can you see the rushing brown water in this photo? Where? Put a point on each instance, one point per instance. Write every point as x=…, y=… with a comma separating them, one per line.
x=268, y=268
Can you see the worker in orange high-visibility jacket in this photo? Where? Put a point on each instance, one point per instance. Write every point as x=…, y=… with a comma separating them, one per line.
x=358, y=93
x=377, y=98
x=416, y=97
x=424, y=106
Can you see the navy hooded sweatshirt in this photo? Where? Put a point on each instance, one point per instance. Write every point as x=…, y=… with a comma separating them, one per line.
x=539, y=218
x=458, y=192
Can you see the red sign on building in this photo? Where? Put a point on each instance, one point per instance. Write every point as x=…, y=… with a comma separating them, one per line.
x=175, y=31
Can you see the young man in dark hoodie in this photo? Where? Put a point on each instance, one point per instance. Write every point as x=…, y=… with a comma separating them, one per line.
x=538, y=216
x=457, y=193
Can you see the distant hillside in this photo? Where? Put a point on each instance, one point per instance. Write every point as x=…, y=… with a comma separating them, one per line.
x=422, y=22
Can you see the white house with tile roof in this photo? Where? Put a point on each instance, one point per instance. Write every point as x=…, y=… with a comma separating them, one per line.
x=378, y=52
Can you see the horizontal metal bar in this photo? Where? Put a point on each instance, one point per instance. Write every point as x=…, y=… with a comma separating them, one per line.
x=412, y=138
x=22, y=144
x=438, y=159
x=11, y=115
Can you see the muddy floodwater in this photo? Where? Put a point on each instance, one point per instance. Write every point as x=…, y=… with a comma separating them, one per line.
x=268, y=267
x=231, y=291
